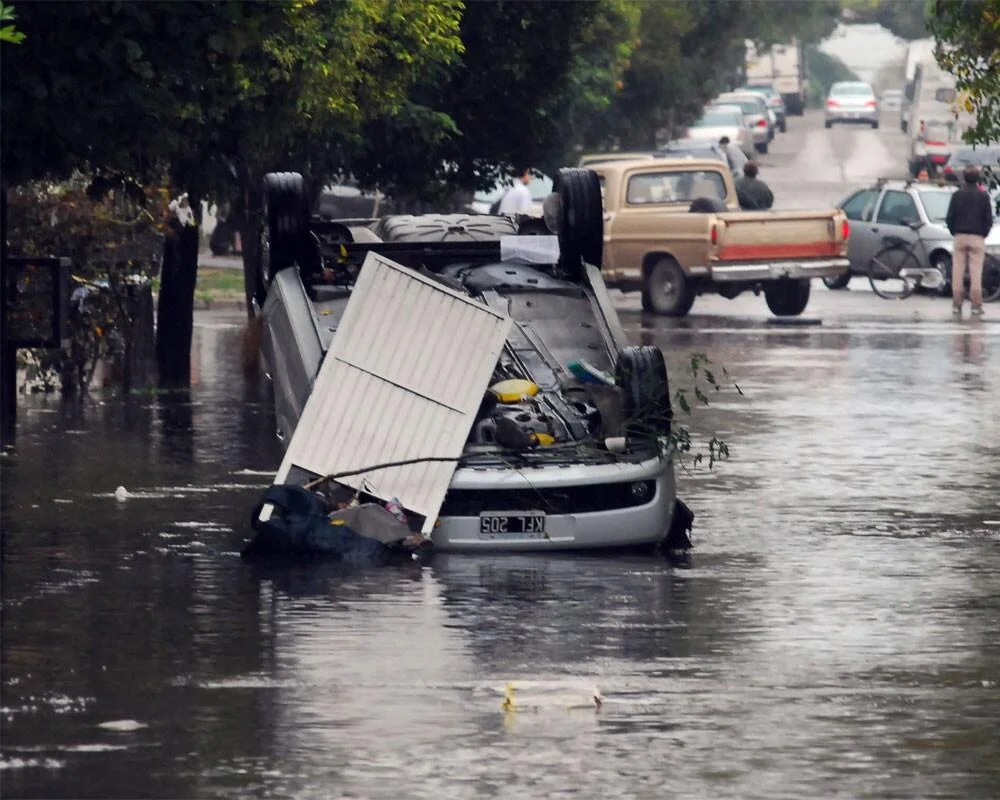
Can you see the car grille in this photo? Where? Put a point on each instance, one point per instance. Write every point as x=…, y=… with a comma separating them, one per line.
x=569, y=500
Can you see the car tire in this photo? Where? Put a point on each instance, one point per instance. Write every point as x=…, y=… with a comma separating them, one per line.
x=787, y=297
x=838, y=281
x=828, y=124
x=641, y=373
x=666, y=290
x=875, y=126
x=783, y=126
x=761, y=148
x=285, y=228
x=581, y=220
x=942, y=263
x=902, y=125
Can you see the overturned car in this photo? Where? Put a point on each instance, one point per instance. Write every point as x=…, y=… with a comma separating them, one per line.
x=467, y=371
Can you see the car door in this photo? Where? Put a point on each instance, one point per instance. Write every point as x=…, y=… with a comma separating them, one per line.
x=859, y=208
x=895, y=209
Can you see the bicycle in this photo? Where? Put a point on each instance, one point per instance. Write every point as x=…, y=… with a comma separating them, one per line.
x=897, y=269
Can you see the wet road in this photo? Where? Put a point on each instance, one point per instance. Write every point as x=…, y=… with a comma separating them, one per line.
x=835, y=634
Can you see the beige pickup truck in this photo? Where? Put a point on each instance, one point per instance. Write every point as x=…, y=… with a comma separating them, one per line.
x=653, y=241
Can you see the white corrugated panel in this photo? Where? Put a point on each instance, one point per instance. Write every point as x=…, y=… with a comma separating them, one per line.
x=403, y=379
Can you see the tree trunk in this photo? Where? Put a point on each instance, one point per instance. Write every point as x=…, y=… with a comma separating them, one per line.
x=175, y=307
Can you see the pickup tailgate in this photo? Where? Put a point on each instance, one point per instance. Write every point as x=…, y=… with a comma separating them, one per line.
x=760, y=245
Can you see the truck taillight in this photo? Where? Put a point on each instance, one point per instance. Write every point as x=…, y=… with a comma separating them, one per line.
x=845, y=230
x=714, y=235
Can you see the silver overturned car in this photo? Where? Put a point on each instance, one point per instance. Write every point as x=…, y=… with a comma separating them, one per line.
x=469, y=369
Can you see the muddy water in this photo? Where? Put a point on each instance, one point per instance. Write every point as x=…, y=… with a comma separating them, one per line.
x=834, y=635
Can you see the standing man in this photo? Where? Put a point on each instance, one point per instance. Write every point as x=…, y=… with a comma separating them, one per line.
x=751, y=191
x=969, y=219
x=518, y=198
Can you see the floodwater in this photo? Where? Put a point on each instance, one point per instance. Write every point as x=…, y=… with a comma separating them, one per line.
x=835, y=633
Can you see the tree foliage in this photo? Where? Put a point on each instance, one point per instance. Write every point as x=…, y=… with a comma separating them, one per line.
x=907, y=19
x=968, y=45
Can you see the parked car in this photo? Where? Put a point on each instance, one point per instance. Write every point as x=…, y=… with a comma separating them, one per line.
x=885, y=209
x=701, y=148
x=852, y=101
x=717, y=122
x=931, y=149
x=774, y=101
x=755, y=111
x=674, y=229
x=891, y=100
x=981, y=156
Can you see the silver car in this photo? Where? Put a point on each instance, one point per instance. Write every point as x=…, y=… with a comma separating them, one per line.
x=757, y=115
x=852, y=101
x=887, y=209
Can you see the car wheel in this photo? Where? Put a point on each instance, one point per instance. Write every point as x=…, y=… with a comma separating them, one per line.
x=783, y=126
x=838, y=281
x=581, y=220
x=286, y=225
x=942, y=263
x=642, y=375
x=762, y=148
x=666, y=289
x=875, y=125
x=787, y=297
x=828, y=124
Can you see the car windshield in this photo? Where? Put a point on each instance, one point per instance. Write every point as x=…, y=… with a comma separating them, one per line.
x=717, y=119
x=851, y=89
x=746, y=106
x=935, y=203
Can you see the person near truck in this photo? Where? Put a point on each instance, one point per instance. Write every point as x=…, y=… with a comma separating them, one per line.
x=518, y=197
x=751, y=191
x=969, y=219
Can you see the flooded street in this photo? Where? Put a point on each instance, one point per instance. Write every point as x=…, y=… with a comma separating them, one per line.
x=835, y=633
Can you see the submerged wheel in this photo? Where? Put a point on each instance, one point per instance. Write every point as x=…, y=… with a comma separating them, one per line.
x=285, y=228
x=642, y=375
x=787, y=297
x=666, y=289
x=884, y=272
x=581, y=220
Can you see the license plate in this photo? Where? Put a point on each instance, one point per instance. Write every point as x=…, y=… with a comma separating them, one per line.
x=513, y=525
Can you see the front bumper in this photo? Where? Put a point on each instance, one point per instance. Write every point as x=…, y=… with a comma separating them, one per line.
x=775, y=270
x=638, y=525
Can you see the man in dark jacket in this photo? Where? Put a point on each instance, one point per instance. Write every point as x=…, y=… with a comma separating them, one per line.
x=751, y=191
x=969, y=219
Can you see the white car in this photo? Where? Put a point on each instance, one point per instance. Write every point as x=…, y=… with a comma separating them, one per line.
x=758, y=116
x=851, y=101
x=723, y=121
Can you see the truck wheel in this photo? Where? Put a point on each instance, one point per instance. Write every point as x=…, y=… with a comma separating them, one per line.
x=838, y=281
x=642, y=375
x=581, y=219
x=285, y=229
x=666, y=289
x=787, y=297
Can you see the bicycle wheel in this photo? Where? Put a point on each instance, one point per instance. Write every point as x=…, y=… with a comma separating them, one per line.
x=887, y=272
x=991, y=279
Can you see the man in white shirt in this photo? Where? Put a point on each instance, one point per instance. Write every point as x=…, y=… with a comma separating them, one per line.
x=518, y=197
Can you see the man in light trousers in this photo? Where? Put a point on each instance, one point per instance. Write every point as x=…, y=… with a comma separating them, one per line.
x=969, y=219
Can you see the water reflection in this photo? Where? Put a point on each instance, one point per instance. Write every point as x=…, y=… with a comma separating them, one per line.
x=834, y=634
